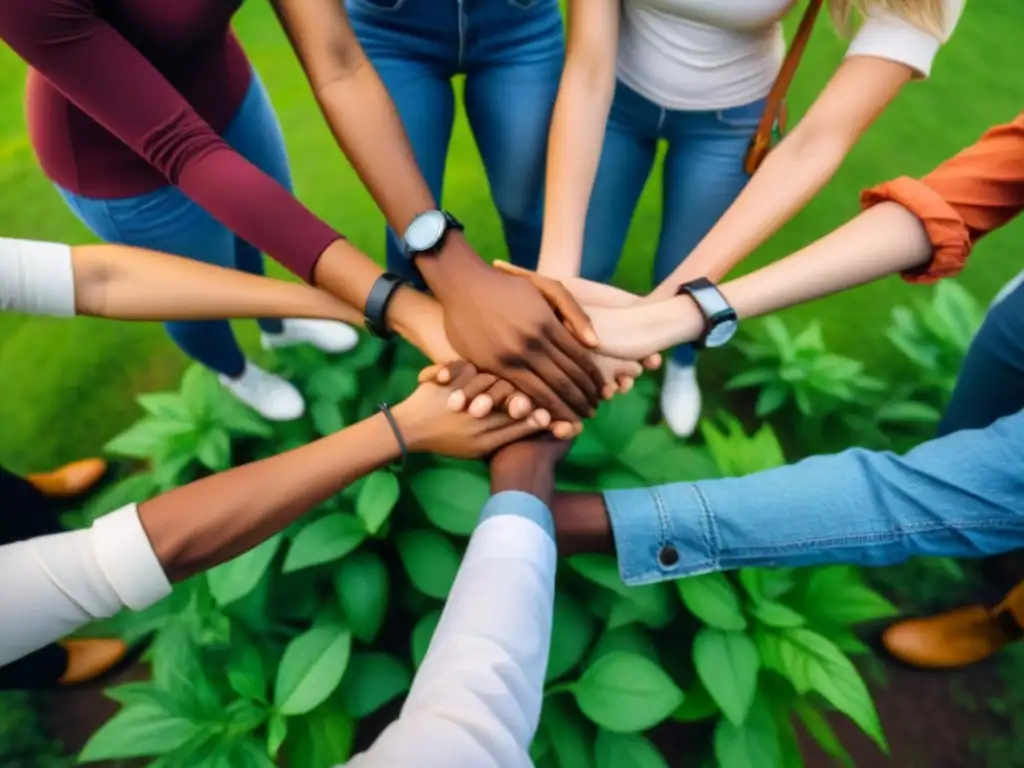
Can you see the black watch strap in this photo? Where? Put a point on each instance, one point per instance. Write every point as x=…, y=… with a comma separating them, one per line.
x=712, y=304
x=381, y=293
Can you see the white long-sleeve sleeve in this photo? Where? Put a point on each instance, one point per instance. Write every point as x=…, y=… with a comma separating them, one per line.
x=476, y=699
x=36, y=278
x=52, y=585
x=886, y=35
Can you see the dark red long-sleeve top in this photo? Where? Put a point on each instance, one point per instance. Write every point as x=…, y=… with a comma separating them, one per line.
x=126, y=96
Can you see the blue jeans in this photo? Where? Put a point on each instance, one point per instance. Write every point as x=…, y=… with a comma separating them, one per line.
x=166, y=220
x=703, y=174
x=511, y=52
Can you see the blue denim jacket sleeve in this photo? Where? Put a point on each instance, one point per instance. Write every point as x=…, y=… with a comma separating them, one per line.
x=961, y=495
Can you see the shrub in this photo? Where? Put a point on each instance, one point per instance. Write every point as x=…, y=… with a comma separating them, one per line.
x=299, y=650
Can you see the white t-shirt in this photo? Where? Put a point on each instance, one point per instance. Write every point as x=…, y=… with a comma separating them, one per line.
x=36, y=278
x=703, y=55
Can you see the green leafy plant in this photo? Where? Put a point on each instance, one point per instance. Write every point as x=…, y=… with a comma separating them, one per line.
x=288, y=653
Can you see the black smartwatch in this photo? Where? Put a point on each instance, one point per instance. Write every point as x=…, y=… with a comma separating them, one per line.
x=381, y=293
x=427, y=232
x=720, y=320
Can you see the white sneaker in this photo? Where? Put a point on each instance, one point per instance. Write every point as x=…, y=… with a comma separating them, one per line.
x=270, y=396
x=680, y=398
x=326, y=335
x=1009, y=288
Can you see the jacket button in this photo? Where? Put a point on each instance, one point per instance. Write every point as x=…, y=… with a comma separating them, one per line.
x=668, y=556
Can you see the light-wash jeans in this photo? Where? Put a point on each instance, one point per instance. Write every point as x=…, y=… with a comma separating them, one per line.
x=511, y=52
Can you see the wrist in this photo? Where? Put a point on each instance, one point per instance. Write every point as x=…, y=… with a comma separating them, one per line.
x=451, y=265
x=582, y=524
x=412, y=425
x=535, y=477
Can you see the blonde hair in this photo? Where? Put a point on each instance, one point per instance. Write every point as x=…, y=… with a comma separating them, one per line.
x=926, y=14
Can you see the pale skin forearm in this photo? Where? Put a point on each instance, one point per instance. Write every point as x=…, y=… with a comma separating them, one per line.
x=882, y=241
x=577, y=134
x=796, y=170
x=135, y=284
x=215, y=519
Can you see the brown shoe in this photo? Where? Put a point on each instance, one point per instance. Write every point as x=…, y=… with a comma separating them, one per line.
x=70, y=480
x=953, y=639
x=89, y=658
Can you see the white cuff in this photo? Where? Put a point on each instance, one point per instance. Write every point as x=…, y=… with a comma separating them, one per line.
x=36, y=278
x=126, y=556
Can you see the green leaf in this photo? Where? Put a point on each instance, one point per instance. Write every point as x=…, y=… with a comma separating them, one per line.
x=147, y=438
x=567, y=735
x=812, y=662
x=214, y=450
x=322, y=738
x=770, y=399
x=774, y=614
x=451, y=498
x=329, y=538
x=766, y=583
x=625, y=693
x=618, y=419
x=371, y=681
x=617, y=750
x=311, y=668
x=713, y=600
x=376, y=500
x=837, y=595
x=166, y=406
x=908, y=411
x=201, y=392
x=237, y=418
x=727, y=664
x=326, y=417
x=246, y=674
x=365, y=354
x=430, y=560
x=632, y=639
x=134, y=489
x=333, y=384
x=755, y=744
x=819, y=729
x=277, y=732
x=142, y=730
x=572, y=632
x=600, y=569
x=422, y=634
x=361, y=584
x=698, y=705
x=236, y=578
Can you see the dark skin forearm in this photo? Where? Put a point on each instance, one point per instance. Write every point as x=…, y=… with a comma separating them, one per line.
x=582, y=524
x=215, y=519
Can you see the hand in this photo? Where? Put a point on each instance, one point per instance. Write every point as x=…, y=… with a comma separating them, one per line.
x=486, y=391
x=641, y=331
x=428, y=426
x=503, y=325
x=419, y=319
x=586, y=292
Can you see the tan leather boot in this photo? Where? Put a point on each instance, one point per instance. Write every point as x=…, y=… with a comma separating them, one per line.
x=70, y=480
x=959, y=637
x=89, y=658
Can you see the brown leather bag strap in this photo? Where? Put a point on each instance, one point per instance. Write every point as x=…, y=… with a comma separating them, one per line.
x=775, y=105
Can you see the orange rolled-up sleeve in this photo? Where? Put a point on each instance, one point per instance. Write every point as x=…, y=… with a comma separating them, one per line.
x=974, y=192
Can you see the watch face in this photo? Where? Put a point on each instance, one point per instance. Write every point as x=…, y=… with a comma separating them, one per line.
x=721, y=333
x=426, y=231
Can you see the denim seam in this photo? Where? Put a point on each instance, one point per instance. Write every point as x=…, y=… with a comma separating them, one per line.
x=709, y=527
x=112, y=223
x=894, y=535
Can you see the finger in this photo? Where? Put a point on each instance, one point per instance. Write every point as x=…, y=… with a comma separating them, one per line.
x=575, y=372
x=481, y=406
x=534, y=387
x=625, y=384
x=511, y=269
x=514, y=430
x=566, y=342
x=563, y=430
x=431, y=374
x=611, y=389
x=479, y=385
x=652, y=362
x=581, y=402
x=572, y=314
x=501, y=392
x=463, y=375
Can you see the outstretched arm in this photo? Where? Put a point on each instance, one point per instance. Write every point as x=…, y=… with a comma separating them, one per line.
x=956, y=496
x=923, y=228
x=129, y=557
x=496, y=322
x=886, y=54
x=476, y=699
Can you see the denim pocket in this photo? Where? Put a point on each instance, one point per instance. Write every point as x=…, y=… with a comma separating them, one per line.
x=386, y=6
x=743, y=116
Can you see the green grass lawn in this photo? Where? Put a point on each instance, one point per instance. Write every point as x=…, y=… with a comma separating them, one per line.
x=66, y=385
